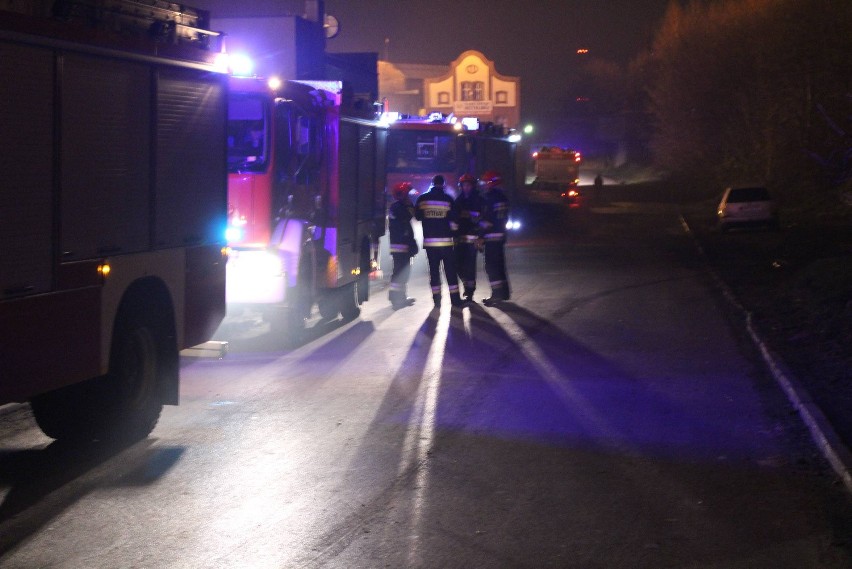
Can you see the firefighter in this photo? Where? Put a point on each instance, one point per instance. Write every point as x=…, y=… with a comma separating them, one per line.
x=492, y=236
x=403, y=246
x=436, y=210
x=469, y=206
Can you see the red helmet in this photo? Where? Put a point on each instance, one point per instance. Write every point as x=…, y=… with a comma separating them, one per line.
x=491, y=178
x=467, y=178
x=401, y=190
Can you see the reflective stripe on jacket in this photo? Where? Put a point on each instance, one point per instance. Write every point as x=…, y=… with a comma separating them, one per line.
x=438, y=215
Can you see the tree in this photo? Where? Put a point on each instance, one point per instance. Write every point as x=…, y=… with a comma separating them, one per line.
x=735, y=87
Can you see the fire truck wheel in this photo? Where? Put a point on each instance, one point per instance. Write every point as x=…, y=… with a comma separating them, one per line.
x=62, y=415
x=123, y=405
x=140, y=356
x=329, y=306
x=349, y=305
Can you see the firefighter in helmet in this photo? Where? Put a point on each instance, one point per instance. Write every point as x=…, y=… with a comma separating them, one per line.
x=492, y=236
x=469, y=206
x=437, y=212
x=403, y=246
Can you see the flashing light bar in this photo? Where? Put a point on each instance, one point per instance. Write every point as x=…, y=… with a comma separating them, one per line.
x=240, y=65
x=470, y=123
x=233, y=234
x=390, y=117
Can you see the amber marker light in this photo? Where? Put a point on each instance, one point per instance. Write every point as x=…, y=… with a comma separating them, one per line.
x=104, y=270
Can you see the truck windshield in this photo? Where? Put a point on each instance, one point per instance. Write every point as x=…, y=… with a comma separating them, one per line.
x=248, y=133
x=421, y=152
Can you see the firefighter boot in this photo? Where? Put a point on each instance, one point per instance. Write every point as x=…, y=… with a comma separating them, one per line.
x=456, y=301
x=496, y=298
x=436, y=298
x=404, y=299
x=400, y=300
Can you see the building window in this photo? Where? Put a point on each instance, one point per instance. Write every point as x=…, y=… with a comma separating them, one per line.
x=472, y=91
x=478, y=91
x=443, y=98
x=502, y=97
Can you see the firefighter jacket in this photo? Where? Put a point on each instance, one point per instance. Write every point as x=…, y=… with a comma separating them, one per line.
x=401, y=235
x=436, y=211
x=469, y=211
x=495, y=215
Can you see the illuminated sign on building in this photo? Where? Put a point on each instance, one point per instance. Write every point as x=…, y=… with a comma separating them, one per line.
x=472, y=107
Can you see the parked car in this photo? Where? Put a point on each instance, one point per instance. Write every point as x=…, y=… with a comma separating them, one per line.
x=746, y=206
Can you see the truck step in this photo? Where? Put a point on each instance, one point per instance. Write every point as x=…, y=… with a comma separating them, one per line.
x=211, y=349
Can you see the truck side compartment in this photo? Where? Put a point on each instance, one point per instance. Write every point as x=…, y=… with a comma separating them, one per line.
x=113, y=214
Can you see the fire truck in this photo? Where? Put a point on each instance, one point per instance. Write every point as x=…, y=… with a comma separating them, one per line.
x=305, y=200
x=557, y=175
x=112, y=209
x=420, y=147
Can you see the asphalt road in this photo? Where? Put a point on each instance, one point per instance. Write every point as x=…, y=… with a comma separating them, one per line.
x=614, y=414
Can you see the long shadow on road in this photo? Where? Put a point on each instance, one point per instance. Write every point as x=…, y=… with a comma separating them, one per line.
x=41, y=484
x=517, y=446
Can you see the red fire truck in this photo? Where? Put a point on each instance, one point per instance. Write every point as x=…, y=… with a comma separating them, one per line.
x=305, y=200
x=112, y=211
x=420, y=147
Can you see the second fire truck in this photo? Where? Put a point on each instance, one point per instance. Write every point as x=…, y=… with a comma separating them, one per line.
x=420, y=147
x=305, y=200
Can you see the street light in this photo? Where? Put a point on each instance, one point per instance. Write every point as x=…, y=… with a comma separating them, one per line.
x=528, y=129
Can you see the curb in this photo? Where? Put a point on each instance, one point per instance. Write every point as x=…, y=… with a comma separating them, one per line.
x=826, y=439
x=832, y=448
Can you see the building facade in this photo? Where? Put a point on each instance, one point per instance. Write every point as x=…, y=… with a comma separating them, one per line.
x=471, y=87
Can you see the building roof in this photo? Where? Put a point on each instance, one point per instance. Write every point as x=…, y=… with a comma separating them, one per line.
x=419, y=70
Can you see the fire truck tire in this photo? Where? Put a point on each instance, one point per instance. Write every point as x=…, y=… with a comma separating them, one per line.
x=329, y=306
x=349, y=306
x=123, y=405
x=141, y=354
x=307, y=282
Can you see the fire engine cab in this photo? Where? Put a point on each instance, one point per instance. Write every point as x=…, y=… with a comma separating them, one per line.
x=419, y=147
x=305, y=200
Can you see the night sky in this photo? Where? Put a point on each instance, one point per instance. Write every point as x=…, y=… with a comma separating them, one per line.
x=535, y=40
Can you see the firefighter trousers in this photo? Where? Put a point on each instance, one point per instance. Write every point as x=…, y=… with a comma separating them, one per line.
x=466, y=265
x=495, y=268
x=399, y=277
x=445, y=256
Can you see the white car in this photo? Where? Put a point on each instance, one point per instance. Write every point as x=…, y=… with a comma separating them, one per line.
x=746, y=206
